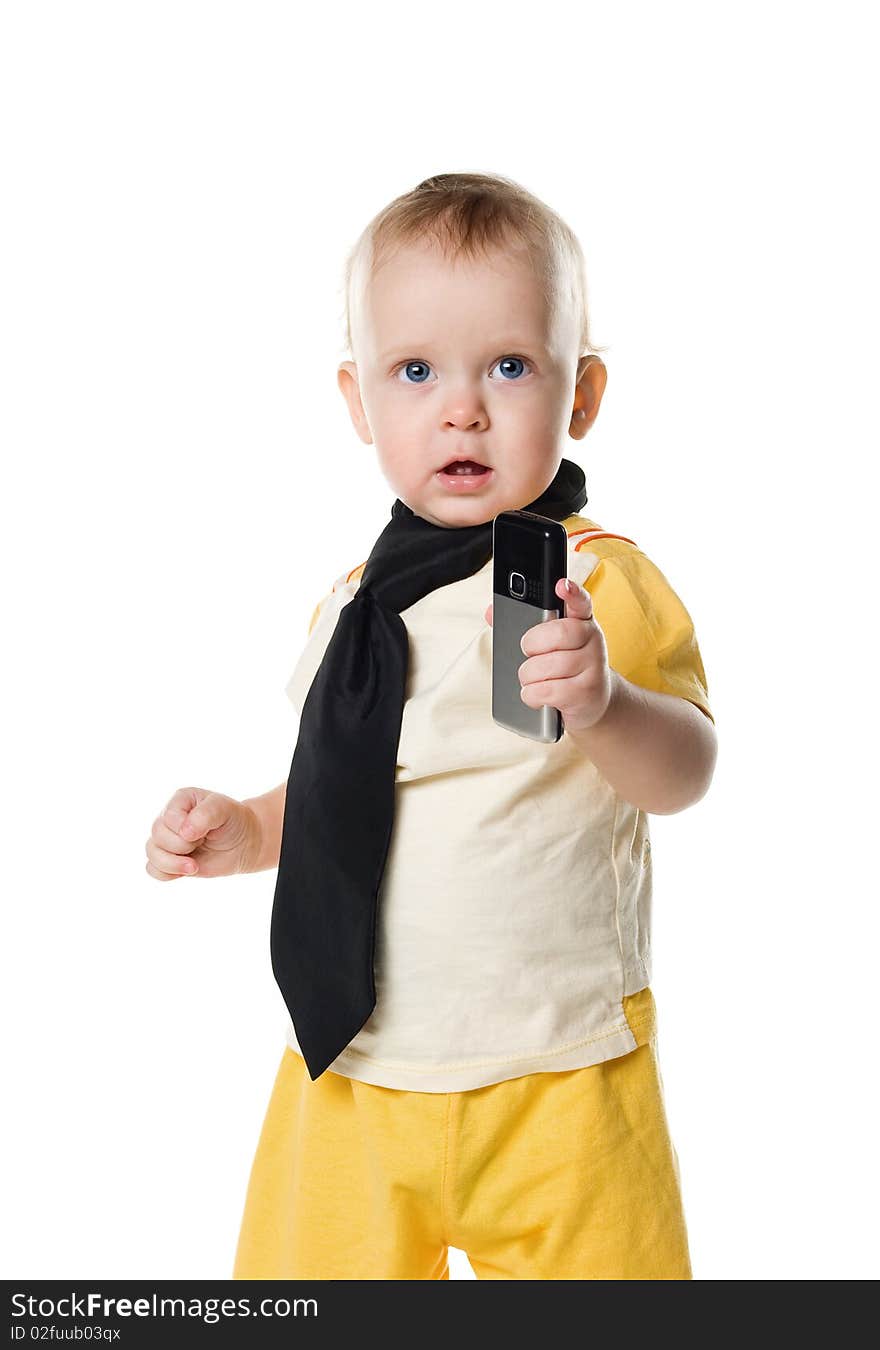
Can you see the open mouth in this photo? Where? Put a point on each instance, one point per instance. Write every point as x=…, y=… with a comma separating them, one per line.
x=464, y=475
x=460, y=468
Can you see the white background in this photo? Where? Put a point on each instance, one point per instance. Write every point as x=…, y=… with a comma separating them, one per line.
x=182, y=484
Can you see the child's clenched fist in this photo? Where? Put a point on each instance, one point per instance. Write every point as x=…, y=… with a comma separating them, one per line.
x=202, y=833
x=567, y=666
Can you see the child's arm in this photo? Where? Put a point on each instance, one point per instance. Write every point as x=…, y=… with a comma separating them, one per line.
x=636, y=704
x=657, y=750
x=268, y=811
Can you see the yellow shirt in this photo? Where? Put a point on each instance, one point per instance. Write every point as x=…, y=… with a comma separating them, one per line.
x=514, y=909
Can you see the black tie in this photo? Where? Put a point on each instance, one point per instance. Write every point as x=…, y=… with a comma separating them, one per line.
x=339, y=810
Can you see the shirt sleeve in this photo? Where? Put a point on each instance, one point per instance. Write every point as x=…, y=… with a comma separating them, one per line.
x=648, y=631
x=354, y=574
x=316, y=611
x=298, y=684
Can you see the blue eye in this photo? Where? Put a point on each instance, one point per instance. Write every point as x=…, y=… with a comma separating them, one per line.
x=511, y=361
x=416, y=372
x=421, y=368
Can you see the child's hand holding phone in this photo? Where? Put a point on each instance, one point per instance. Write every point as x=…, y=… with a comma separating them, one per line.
x=567, y=666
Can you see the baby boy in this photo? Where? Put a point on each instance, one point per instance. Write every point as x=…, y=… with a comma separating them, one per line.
x=504, y=1096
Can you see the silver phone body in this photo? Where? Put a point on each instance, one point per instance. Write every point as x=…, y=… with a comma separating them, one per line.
x=511, y=620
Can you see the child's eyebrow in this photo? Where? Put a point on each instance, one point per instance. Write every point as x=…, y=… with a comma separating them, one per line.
x=502, y=345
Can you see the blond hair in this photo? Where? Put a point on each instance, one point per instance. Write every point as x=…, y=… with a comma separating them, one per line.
x=468, y=215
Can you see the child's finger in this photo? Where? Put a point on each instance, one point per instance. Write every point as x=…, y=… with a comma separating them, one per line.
x=211, y=812
x=578, y=602
x=179, y=806
x=164, y=865
x=169, y=839
x=488, y=615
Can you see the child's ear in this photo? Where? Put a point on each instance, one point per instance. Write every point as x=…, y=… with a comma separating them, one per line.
x=590, y=381
x=347, y=379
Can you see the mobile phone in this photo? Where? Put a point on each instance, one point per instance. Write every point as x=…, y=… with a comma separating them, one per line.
x=530, y=555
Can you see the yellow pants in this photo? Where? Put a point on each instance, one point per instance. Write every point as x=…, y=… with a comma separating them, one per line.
x=551, y=1176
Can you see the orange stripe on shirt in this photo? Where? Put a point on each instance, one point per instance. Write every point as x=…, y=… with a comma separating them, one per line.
x=599, y=534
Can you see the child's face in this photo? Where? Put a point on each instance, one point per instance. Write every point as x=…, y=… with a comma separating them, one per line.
x=467, y=359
